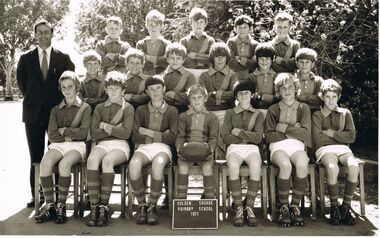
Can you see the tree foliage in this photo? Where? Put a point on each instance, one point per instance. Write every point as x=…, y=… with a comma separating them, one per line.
x=17, y=18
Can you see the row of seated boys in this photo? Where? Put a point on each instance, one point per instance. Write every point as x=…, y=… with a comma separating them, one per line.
x=155, y=126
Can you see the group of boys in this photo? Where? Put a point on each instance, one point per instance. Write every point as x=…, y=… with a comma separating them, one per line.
x=177, y=102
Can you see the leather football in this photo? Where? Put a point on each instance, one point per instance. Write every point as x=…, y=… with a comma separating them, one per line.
x=195, y=151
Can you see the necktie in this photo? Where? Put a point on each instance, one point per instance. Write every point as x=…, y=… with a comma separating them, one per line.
x=44, y=65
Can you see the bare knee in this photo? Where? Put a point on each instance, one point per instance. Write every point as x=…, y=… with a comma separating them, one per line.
x=158, y=169
x=353, y=173
x=233, y=169
x=134, y=168
x=285, y=169
x=46, y=167
x=65, y=168
x=108, y=165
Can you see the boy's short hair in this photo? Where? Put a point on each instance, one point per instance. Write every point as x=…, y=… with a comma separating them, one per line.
x=69, y=75
x=330, y=85
x=115, y=78
x=220, y=49
x=154, y=16
x=43, y=22
x=91, y=55
x=153, y=80
x=176, y=48
x=284, y=78
x=283, y=16
x=197, y=88
x=115, y=19
x=197, y=14
x=243, y=85
x=133, y=52
x=265, y=50
x=243, y=19
x=306, y=53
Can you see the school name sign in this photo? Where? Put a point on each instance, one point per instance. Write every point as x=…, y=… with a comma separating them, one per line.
x=195, y=214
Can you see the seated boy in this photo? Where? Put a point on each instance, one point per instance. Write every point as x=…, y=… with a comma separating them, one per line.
x=333, y=131
x=309, y=82
x=287, y=131
x=286, y=48
x=243, y=47
x=197, y=43
x=68, y=128
x=242, y=132
x=177, y=79
x=154, y=132
x=92, y=84
x=218, y=81
x=264, y=77
x=135, y=84
x=112, y=48
x=154, y=45
x=198, y=132
x=111, y=126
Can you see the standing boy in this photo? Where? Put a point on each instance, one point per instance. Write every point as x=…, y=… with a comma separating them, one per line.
x=154, y=132
x=92, y=84
x=197, y=43
x=68, y=128
x=243, y=47
x=242, y=132
x=135, y=84
x=198, y=131
x=154, y=45
x=333, y=131
x=287, y=131
x=286, y=48
x=309, y=82
x=112, y=48
x=177, y=79
x=111, y=126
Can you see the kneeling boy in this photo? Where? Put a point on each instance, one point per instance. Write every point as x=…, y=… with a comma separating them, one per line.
x=198, y=131
x=333, y=131
x=68, y=128
x=154, y=132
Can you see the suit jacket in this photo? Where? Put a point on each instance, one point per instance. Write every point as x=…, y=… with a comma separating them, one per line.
x=40, y=95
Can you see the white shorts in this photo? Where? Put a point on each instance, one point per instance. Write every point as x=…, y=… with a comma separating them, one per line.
x=65, y=147
x=197, y=73
x=289, y=146
x=242, y=150
x=338, y=150
x=109, y=145
x=151, y=150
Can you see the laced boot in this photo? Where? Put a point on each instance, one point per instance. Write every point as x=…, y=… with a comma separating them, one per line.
x=334, y=215
x=141, y=214
x=93, y=216
x=284, y=218
x=239, y=216
x=346, y=216
x=47, y=213
x=103, y=219
x=250, y=216
x=151, y=215
x=295, y=214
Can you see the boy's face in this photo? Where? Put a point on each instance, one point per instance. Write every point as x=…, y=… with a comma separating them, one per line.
x=154, y=29
x=282, y=29
x=305, y=66
x=175, y=61
x=243, y=30
x=68, y=88
x=244, y=98
x=155, y=92
x=113, y=30
x=43, y=35
x=198, y=26
x=331, y=100
x=264, y=63
x=93, y=67
x=114, y=92
x=220, y=62
x=288, y=92
x=197, y=101
x=134, y=65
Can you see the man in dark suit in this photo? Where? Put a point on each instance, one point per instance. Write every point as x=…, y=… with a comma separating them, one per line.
x=38, y=72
